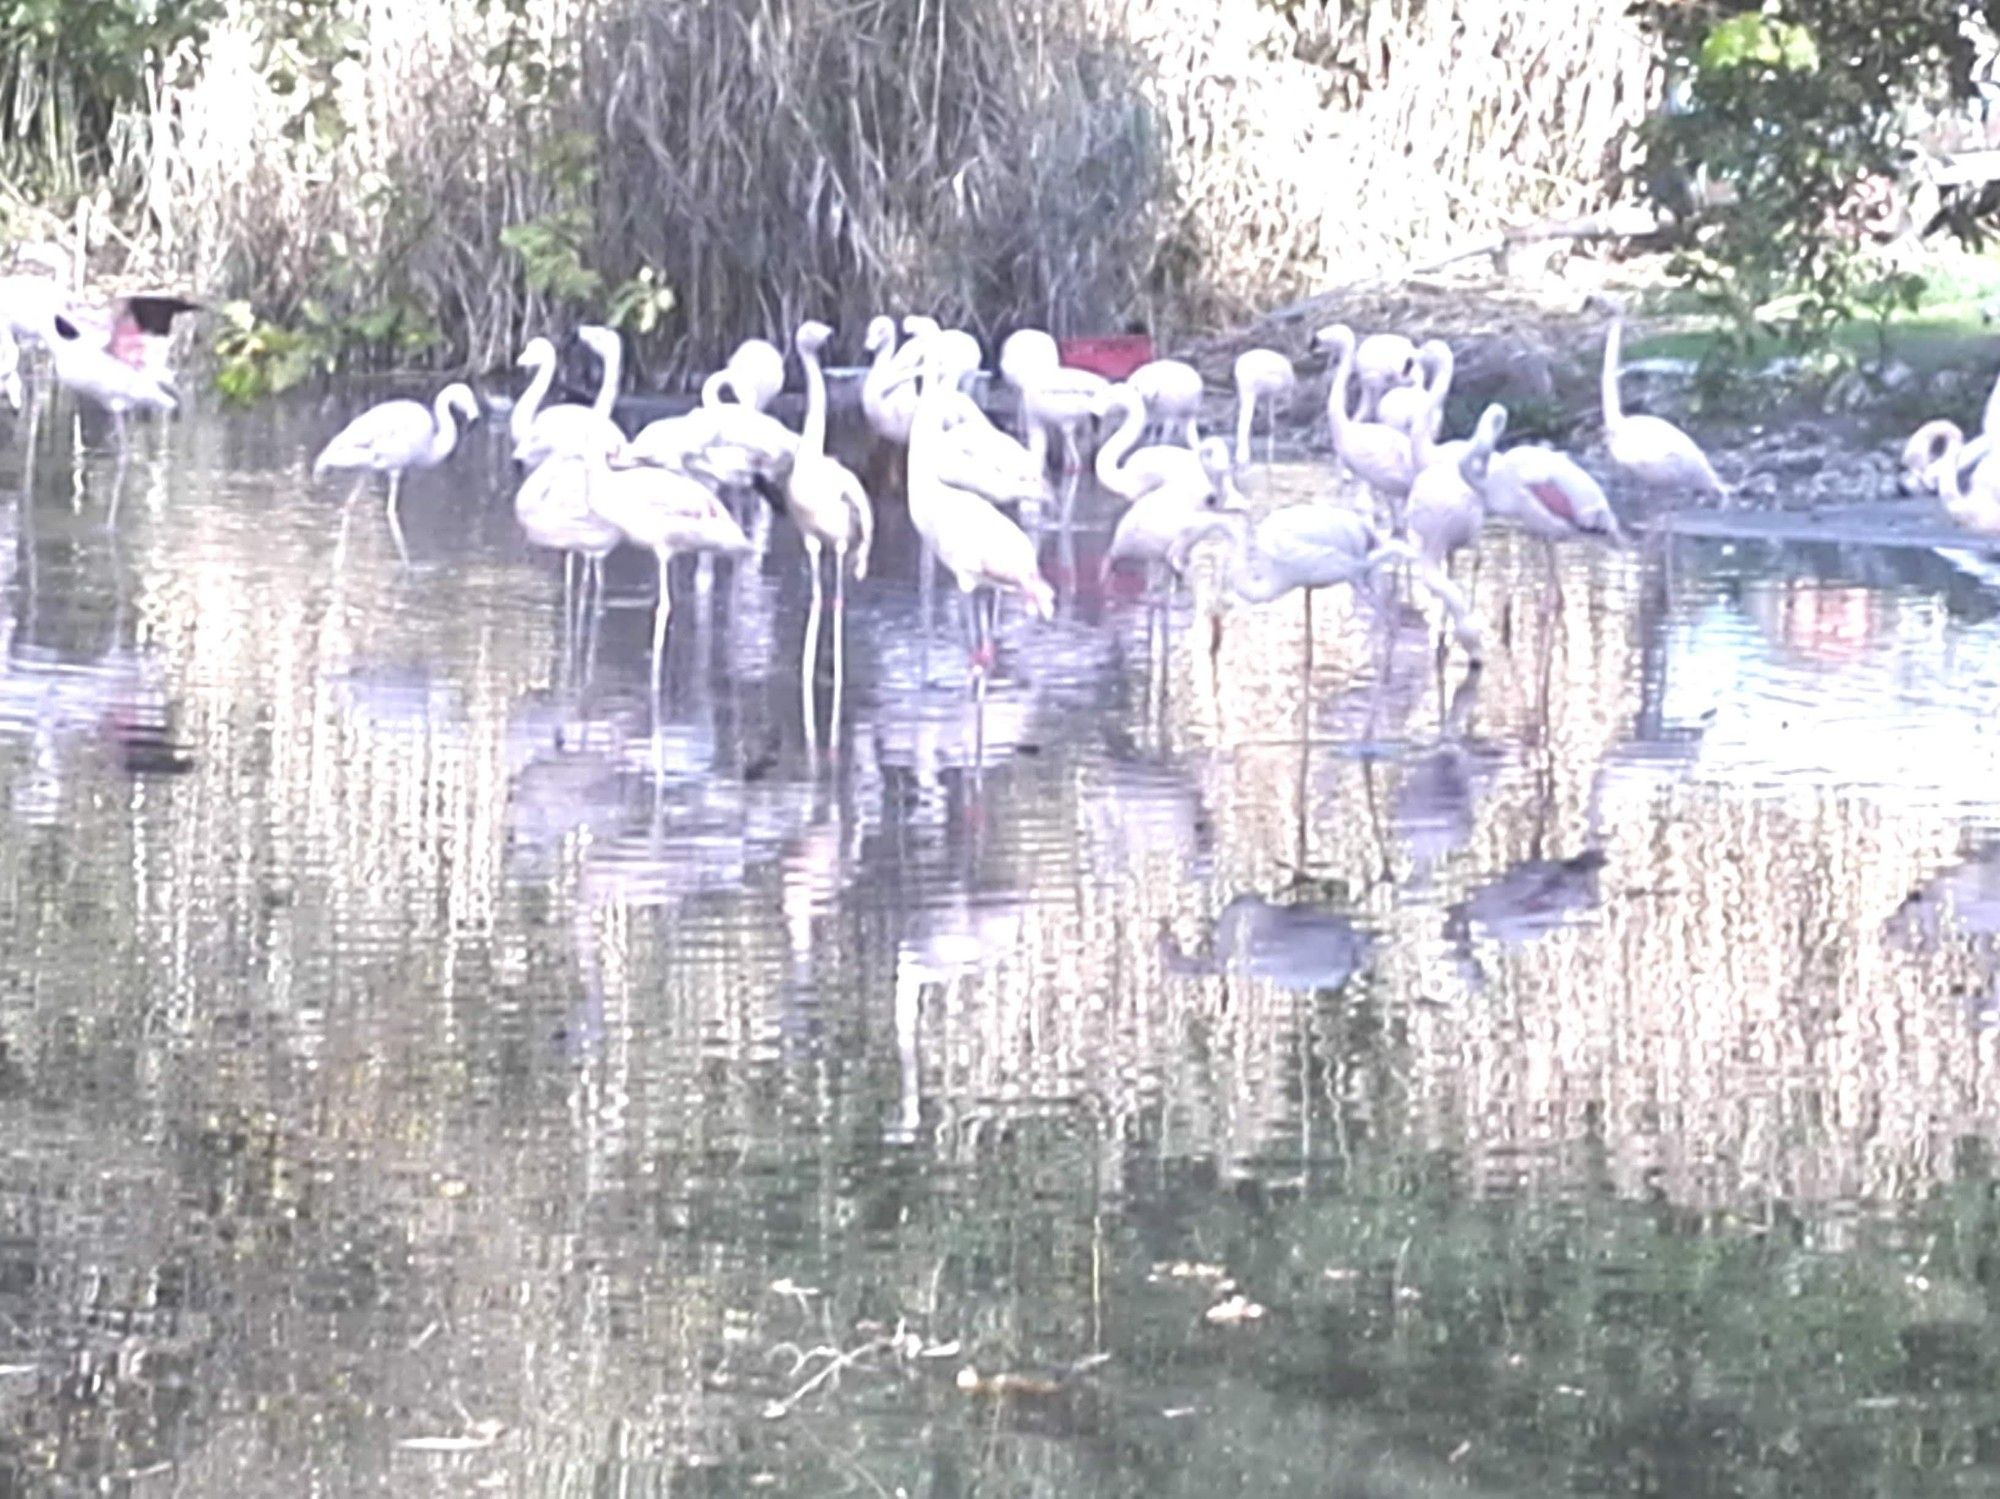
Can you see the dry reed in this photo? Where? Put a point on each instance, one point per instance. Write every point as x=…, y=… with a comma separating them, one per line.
x=1075, y=163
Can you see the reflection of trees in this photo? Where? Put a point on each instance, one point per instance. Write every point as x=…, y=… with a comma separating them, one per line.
x=415, y=1063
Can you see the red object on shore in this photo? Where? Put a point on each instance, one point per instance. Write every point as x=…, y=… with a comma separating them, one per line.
x=1114, y=356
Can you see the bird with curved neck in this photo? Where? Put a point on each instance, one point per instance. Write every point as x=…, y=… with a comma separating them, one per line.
x=1152, y=527
x=397, y=436
x=1261, y=375
x=828, y=503
x=569, y=428
x=888, y=401
x=552, y=507
x=1382, y=362
x=1446, y=508
x=1126, y=470
x=1649, y=449
x=539, y=358
x=752, y=377
x=1375, y=453
x=979, y=546
x=1055, y=400
x=1418, y=409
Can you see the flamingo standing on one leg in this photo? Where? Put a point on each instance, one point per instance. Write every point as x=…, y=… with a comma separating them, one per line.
x=1261, y=375
x=397, y=436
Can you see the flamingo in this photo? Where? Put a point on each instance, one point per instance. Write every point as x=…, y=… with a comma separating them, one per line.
x=1382, y=362
x=1650, y=449
x=1261, y=374
x=1976, y=509
x=977, y=544
x=122, y=367
x=754, y=375
x=571, y=428
x=1053, y=398
x=1128, y=474
x=1172, y=390
x=1375, y=453
x=666, y=513
x=729, y=445
x=553, y=509
x=1153, y=525
x=397, y=436
x=1546, y=494
x=539, y=357
x=888, y=403
x=1446, y=507
x=1419, y=409
x=1927, y=447
x=827, y=502
x=933, y=346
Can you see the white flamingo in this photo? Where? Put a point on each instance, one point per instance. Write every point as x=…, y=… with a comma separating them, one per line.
x=1126, y=470
x=539, y=357
x=1446, y=509
x=728, y=445
x=888, y=401
x=570, y=428
x=123, y=368
x=1650, y=449
x=1547, y=494
x=666, y=513
x=1376, y=454
x=978, y=545
x=1261, y=375
x=1172, y=390
x=553, y=509
x=397, y=436
x=1153, y=526
x=753, y=376
x=1382, y=361
x=1419, y=409
x=1054, y=399
x=829, y=505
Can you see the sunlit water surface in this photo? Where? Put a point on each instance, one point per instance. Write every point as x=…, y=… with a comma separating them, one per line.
x=428, y=1066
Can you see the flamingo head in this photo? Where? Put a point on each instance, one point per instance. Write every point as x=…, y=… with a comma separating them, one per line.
x=812, y=336
x=600, y=340
x=1335, y=339
x=1928, y=446
x=916, y=325
x=1119, y=397
x=458, y=397
x=1218, y=463
x=538, y=353
x=881, y=334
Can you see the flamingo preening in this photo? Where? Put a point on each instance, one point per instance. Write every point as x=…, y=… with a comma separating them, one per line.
x=1976, y=506
x=753, y=376
x=1172, y=390
x=1377, y=454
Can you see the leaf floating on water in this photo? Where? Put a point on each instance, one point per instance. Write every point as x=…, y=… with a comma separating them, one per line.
x=477, y=1438
x=1234, y=1310
x=941, y=1350
x=1190, y=1270
x=1007, y=1386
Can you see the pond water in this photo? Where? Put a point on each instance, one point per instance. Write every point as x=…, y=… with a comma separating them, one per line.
x=430, y=1065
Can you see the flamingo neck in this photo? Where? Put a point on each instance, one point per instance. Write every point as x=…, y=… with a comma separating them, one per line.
x=530, y=404
x=812, y=440
x=444, y=436
x=607, y=393
x=1336, y=399
x=713, y=387
x=1253, y=575
x=1112, y=453
x=1439, y=391
x=1246, y=421
x=1614, y=341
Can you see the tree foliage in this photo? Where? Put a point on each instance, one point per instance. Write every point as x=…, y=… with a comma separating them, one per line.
x=1787, y=143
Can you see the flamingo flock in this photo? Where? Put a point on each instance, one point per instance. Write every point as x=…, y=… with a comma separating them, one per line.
x=705, y=480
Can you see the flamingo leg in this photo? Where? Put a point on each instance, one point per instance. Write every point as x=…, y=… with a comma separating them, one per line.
x=594, y=623
x=926, y=583
x=661, y=610
x=809, y=653
x=1193, y=432
x=395, y=521
x=839, y=646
